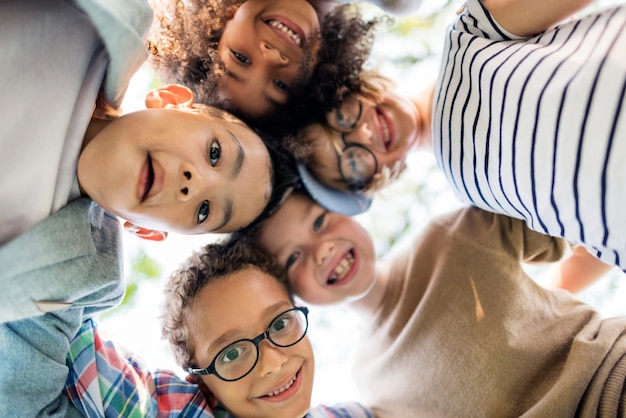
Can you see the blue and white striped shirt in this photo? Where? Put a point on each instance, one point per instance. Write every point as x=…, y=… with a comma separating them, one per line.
x=534, y=128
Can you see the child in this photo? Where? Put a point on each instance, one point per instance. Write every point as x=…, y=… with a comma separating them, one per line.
x=159, y=169
x=221, y=294
x=488, y=145
x=290, y=52
x=453, y=325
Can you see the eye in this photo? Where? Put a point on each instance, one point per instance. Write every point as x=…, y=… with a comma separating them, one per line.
x=319, y=221
x=215, y=151
x=241, y=57
x=291, y=260
x=231, y=354
x=284, y=87
x=203, y=212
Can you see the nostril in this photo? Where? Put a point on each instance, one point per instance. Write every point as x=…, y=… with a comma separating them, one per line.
x=184, y=191
x=187, y=174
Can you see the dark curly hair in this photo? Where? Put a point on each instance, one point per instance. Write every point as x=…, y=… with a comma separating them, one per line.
x=185, y=36
x=213, y=262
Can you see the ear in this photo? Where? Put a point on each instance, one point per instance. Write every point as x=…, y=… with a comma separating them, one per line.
x=145, y=233
x=230, y=12
x=172, y=96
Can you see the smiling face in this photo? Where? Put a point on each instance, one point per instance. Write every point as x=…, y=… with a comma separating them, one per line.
x=242, y=305
x=329, y=257
x=178, y=171
x=263, y=48
x=389, y=130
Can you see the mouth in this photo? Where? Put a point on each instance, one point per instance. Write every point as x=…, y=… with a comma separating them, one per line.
x=286, y=390
x=287, y=30
x=146, y=179
x=343, y=272
x=385, y=129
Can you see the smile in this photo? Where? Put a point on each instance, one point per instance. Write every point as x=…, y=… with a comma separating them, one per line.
x=282, y=388
x=342, y=269
x=291, y=33
x=146, y=179
x=385, y=132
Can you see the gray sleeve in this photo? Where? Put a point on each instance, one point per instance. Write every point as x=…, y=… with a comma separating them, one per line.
x=32, y=360
x=73, y=257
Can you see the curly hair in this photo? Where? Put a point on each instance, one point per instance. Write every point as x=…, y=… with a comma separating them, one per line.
x=184, y=40
x=214, y=262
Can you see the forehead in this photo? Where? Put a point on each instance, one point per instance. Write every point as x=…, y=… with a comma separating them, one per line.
x=234, y=301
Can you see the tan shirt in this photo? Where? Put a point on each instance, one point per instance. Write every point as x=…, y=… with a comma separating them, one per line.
x=464, y=332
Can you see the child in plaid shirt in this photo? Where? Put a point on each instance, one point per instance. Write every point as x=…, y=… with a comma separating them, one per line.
x=219, y=299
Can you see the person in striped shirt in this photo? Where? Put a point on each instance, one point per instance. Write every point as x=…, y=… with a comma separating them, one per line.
x=526, y=125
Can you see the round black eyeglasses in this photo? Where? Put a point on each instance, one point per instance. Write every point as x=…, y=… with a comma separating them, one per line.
x=357, y=164
x=236, y=360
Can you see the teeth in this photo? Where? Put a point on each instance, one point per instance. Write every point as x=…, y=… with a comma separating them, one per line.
x=342, y=269
x=385, y=129
x=282, y=389
x=294, y=36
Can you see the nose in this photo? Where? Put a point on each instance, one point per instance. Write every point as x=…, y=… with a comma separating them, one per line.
x=361, y=134
x=324, y=252
x=273, y=55
x=271, y=358
x=190, y=184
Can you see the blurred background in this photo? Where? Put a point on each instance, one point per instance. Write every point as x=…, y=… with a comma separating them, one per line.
x=407, y=49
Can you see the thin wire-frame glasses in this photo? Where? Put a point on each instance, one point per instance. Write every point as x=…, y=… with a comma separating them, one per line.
x=357, y=164
x=236, y=360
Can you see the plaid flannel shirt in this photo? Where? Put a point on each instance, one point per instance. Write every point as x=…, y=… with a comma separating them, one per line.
x=105, y=382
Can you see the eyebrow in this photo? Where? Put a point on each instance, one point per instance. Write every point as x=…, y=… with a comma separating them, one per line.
x=229, y=336
x=241, y=155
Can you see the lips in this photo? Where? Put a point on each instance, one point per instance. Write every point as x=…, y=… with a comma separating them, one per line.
x=146, y=179
x=285, y=390
x=287, y=30
x=385, y=129
x=344, y=270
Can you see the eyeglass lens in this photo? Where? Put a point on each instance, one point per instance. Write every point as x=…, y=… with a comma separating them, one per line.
x=357, y=165
x=239, y=358
x=347, y=115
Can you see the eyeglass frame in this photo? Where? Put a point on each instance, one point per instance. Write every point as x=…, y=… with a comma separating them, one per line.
x=265, y=335
x=340, y=151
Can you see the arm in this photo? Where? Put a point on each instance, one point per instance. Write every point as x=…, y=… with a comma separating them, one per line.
x=575, y=272
x=71, y=257
x=526, y=18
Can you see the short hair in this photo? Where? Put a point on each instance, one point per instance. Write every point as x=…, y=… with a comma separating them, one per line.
x=214, y=262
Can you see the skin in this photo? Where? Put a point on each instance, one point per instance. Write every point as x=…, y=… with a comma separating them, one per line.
x=313, y=250
x=197, y=187
x=408, y=122
x=265, y=63
x=242, y=306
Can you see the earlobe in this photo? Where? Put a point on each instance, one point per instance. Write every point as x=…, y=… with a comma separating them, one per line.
x=230, y=12
x=145, y=233
x=172, y=96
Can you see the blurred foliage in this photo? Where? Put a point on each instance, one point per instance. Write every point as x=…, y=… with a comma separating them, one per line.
x=143, y=268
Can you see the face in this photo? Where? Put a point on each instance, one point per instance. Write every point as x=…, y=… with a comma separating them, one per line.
x=329, y=257
x=242, y=306
x=178, y=171
x=389, y=130
x=263, y=48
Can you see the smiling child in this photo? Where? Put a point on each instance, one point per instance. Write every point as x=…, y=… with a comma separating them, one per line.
x=453, y=326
